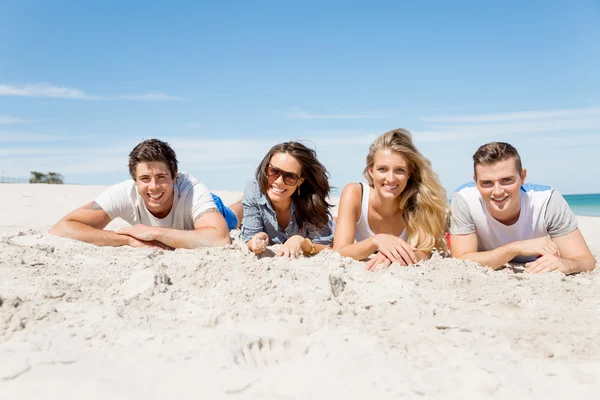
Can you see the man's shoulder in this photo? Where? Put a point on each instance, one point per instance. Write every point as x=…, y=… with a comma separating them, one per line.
x=538, y=194
x=536, y=188
x=126, y=187
x=467, y=191
x=187, y=183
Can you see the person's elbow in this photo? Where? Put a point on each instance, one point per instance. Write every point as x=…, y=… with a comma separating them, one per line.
x=223, y=238
x=589, y=263
x=60, y=228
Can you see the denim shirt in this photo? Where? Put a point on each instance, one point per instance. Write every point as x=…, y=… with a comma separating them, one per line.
x=259, y=216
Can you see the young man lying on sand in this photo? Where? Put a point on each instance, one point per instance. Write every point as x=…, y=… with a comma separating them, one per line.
x=166, y=208
x=498, y=219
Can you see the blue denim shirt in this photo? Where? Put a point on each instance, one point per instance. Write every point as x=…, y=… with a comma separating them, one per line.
x=259, y=216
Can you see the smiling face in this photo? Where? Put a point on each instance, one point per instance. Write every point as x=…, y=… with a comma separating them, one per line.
x=283, y=167
x=155, y=185
x=390, y=173
x=499, y=185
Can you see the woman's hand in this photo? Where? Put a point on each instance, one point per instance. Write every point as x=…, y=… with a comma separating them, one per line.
x=259, y=242
x=378, y=261
x=292, y=247
x=395, y=249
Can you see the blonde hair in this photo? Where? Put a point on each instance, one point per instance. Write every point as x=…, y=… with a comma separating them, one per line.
x=423, y=201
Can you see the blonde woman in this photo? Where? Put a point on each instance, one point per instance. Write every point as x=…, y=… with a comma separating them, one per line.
x=401, y=211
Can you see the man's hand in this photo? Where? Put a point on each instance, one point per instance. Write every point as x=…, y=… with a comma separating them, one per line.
x=395, y=249
x=543, y=246
x=549, y=263
x=133, y=242
x=292, y=247
x=141, y=232
x=258, y=243
x=378, y=261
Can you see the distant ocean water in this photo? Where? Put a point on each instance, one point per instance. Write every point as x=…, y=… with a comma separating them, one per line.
x=584, y=204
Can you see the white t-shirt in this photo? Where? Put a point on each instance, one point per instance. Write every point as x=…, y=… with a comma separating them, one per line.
x=544, y=212
x=191, y=199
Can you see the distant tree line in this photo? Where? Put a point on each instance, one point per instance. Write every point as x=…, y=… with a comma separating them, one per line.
x=50, y=177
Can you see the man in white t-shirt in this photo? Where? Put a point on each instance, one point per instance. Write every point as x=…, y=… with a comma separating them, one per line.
x=499, y=218
x=166, y=208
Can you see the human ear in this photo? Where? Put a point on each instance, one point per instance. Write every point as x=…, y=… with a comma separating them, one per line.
x=523, y=175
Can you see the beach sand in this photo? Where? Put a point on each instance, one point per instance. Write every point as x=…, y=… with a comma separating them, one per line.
x=83, y=322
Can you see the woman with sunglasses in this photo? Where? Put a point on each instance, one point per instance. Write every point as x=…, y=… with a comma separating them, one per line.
x=400, y=212
x=287, y=204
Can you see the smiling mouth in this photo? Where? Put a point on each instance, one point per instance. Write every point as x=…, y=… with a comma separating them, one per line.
x=499, y=200
x=155, y=196
x=277, y=190
x=390, y=187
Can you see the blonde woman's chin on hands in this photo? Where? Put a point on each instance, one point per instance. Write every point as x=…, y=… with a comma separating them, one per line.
x=259, y=242
x=292, y=248
x=395, y=249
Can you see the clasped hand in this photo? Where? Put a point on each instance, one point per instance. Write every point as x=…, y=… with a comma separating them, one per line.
x=392, y=249
x=141, y=236
x=259, y=243
x=292, y=248
x=548, y=263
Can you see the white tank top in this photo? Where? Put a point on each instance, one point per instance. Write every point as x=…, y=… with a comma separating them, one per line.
x=363, y=230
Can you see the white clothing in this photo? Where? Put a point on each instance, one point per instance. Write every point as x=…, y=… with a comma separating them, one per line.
x=544, y=212
x=363, y=230
x=191, y=199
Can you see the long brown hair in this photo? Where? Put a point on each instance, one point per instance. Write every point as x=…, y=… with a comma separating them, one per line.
x=312, y=208
x=423, y=201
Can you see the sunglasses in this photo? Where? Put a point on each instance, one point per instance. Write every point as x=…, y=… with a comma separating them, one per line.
x=289, y=178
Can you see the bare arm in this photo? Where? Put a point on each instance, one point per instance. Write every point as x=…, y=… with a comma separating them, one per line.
x=575, y=251
x=345, y=229
x=575, y=256
x=210, y=229
x=87, y=224
x=464, y=247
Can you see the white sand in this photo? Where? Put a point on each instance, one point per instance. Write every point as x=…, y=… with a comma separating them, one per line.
x=82, y=322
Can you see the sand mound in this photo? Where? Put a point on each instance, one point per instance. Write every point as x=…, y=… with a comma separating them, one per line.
x=79, y=321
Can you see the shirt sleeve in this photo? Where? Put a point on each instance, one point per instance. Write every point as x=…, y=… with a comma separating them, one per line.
x=322, y=236
x=253, y=220
x=461, y=220
x=202, y=200
x=560, y=219
x=116, y=202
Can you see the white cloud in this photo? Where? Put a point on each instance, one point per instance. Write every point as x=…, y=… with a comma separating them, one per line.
x=306, y=115
x=44, y=90
x=10, y=120
x=515, y=116
x=585, y=122
x=152, y=96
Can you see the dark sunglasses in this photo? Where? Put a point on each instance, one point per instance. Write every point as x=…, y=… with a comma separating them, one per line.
x=289, y=178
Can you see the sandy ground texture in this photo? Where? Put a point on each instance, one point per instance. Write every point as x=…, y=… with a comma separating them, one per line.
x=83, y=322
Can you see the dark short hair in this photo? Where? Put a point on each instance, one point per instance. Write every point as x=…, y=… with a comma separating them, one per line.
x=493, y=152
x=152, y=150
x=312, y=207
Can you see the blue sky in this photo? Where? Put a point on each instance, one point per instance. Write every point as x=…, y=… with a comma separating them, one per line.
x=82, y=82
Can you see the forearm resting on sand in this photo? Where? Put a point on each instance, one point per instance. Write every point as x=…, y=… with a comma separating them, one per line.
x=78, y=231
x=581, y=264
x=494, y=259
x=178, y=239
x=360, y=250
